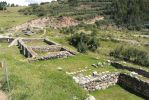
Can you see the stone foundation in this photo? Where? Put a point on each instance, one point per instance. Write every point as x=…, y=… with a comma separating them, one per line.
x=6, y=39
x=50, y=51
x=139, y=71
x=99, y=81
x=135, y=84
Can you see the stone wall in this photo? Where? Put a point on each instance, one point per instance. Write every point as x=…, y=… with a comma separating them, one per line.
x=6, y=39
x=135, y=84
x=51, y=48
x=50, y=42
x=51, y=51
x=139, y=71
x=97, y=81
x=27, y=51
x=61, y=54
x=25, y=40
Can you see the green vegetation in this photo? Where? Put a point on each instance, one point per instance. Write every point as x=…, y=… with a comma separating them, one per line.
x=84, y=42
x=11, y=17
x=131, y=54
x=115, y=93
x=71, y=8
x=41, y=80
x=132, y=14
x=3, y=5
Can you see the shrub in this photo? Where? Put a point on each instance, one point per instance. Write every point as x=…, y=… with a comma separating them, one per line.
x=41, y=14
x=131, y=54
x=84, y=42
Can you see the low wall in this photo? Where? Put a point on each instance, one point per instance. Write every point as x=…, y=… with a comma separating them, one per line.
x=50, y=42
x=61, y=54
x=139, y=71
x=8, y=40
x=32, y=39
x=98, y=82
x=135, y=84
x=27, y=51
x=51, y=48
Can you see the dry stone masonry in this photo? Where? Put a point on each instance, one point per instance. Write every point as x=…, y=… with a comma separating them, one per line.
x=101, y=81
x=137, y=70
x=135, y=84
x=97, y=81
x=43, y=52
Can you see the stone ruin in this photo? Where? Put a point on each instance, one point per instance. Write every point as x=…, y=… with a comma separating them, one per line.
x=101, y=81
x=38, y=48
x=47, y=50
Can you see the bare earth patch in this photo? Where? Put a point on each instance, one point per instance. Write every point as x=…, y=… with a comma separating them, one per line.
x=3, y=96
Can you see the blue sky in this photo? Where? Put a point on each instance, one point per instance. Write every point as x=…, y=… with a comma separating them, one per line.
x=25, y=2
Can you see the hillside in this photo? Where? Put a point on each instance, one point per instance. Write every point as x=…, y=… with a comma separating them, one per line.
x=12, y=17
x=67, y=51
x=114, y=11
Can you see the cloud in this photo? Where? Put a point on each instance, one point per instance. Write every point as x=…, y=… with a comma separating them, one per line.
x=25, y=2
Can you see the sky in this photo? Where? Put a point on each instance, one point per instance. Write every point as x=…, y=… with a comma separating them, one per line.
x=25, y=2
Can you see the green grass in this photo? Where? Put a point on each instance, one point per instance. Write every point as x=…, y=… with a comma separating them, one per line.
x=115, y=93
x=41, y=80
x=11, y=17
x=38, y=80
x=37, y=43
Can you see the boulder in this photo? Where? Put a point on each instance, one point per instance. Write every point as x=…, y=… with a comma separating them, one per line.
x=90, y=98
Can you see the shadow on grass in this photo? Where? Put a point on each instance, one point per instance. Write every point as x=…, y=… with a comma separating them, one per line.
x=132, y=92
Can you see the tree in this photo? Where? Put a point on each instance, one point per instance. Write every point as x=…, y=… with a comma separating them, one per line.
x=3, y=5
x=130, y=13
x=73, y=2
x=84, y=42
x=12, y=5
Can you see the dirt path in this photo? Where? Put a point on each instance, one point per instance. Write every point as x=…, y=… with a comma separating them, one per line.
x=3, y=96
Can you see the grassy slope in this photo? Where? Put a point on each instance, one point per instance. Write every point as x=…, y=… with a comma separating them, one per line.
x=11, y=17
x=39, y=80
x=42, y=81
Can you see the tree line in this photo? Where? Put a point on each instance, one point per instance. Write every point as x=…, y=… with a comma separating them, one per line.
x=4, y=5
x=132, y=14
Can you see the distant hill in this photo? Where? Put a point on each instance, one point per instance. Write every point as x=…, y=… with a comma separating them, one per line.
x=132, y=14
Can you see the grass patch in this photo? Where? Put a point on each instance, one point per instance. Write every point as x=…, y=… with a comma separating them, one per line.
x=11, y=17
x=115, y=93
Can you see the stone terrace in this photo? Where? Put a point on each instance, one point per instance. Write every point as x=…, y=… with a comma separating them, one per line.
x=42, y=49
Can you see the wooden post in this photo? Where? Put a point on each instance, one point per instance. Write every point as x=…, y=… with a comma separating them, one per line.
x=6, y=77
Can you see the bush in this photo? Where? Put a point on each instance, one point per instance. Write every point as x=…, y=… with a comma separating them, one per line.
x=131, y=54
x=84, y=42
x=41, y=14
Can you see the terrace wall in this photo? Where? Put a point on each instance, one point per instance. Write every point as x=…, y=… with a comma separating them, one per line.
x=104, y=80
x=8, y=40
x=27, y=51
x=135, y=84
x=139, y=71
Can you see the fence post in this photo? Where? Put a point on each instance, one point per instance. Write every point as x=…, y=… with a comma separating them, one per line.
x=6, y=75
